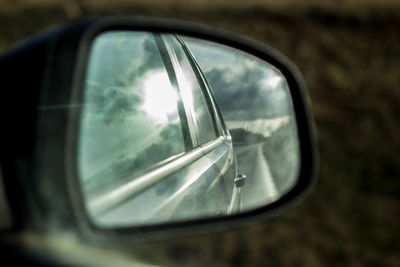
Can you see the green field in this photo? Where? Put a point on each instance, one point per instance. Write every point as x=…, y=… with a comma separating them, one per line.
x=350, y=57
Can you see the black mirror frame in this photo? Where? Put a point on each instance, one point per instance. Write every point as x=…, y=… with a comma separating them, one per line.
x=67, y=49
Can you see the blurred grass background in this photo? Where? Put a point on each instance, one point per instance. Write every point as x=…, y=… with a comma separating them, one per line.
x=349, y=53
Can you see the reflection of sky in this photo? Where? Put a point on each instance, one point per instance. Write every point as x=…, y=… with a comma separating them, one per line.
x=160, y=105
x=245, y=87
x=106, y=67
x=130, y=107
x=253, y=96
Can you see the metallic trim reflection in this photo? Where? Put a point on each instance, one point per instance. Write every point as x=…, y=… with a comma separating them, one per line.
x=118, y=195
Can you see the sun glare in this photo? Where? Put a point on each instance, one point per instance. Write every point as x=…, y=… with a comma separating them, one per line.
x=159, y=97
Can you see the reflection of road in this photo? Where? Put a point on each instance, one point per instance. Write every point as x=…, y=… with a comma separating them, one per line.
x=260, y=187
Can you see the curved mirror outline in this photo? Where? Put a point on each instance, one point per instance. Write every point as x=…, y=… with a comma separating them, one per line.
x=263, y=198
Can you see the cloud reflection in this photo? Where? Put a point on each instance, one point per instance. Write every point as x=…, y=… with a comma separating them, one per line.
x=245, y=87
x=255, y=101
x=130, y=115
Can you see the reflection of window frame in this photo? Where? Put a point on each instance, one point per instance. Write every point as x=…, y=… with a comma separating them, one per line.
x=215, y=113
x=179, y=76
x=184, y=119
x=210, y=105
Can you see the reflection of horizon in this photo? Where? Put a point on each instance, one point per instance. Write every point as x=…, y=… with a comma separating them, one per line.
x=264, y=127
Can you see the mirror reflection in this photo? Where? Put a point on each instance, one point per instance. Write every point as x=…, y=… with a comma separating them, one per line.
x=176, y=128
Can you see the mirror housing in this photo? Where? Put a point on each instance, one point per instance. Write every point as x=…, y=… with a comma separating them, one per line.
x=38, y=157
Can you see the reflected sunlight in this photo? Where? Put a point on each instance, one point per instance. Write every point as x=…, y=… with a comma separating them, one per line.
x=159, y=97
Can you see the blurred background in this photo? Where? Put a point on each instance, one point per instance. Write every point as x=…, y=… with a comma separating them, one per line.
x=349, y=53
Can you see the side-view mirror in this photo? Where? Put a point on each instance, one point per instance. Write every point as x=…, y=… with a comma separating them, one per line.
x=128, y=127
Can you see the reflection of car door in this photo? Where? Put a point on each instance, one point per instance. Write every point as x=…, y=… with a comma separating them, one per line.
x=174, y=186
x=208, y=124
x=227, y=161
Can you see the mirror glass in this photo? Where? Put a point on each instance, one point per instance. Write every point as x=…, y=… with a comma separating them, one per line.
x=174, y=128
